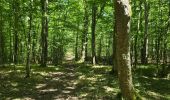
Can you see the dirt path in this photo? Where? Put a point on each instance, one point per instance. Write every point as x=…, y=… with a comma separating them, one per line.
x=66, y=82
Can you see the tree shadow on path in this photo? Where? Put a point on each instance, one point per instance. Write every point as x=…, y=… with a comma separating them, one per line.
x=69, y=81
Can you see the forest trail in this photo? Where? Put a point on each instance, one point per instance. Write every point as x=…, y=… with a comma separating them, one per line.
x=70, y=81
x=61, y=84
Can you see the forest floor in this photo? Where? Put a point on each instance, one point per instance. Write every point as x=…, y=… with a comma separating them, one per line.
x=72, y=81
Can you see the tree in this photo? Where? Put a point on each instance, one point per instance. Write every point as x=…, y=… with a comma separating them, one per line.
x=93, y=29
x=139, y=22
x=144, y=50
x=123, y=15
x=44, y=33
x=16, y=28
x=76, y=46
x=85, y=32
x=29, y=42
x=1, y=38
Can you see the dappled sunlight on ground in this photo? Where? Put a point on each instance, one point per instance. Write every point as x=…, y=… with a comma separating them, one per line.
x=73, y=82
x=70, y=81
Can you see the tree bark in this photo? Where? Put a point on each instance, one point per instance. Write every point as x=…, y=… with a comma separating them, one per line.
x=136, y=36
x=1, y=40
x=85, y=32
x=44, y=33
x=144, y=55
x=29, y=42
x=93, y=27
x=100, y=48
x=77, y=39
x=123, y=14
x=16, y=27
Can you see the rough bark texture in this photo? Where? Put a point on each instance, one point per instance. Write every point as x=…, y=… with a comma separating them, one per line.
x=44, y=33
x=123, y=13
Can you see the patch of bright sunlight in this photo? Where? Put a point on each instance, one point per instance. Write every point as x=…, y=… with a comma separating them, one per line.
x=15, y=89
x=97, y=66
x=49, y=90
x=92, y=88
x=98, y=76
x=156, y=95
x=56, y=79
x=78, y=73
x=38, y=86
x=82, y=77
x=66, y=91
x=137, y=84
x=44, y=73
x=145, y=77
x=14, y=84
x=155, y=78
x=19, y=70
x=92, y=79
x=20, y=66
x=75, y=82
x=58, y=73
x=56, y=69
x=108, y=89
x=25, y=98
x=61, y=97
x=83, y=94
x=10, y=71
x=51, y=66
x=70, y=74
x=70, y=88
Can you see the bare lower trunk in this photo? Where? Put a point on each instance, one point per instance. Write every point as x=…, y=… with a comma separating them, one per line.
x=123, y=14
x=29, y=43
x=144, y=51
x=85, y=32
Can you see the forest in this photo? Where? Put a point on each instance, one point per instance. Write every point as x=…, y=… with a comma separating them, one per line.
x=84, y=49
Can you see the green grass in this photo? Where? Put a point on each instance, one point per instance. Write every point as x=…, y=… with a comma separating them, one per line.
x=76, y=81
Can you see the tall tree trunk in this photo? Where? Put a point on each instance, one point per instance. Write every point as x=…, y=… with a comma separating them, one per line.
x=159, y=37
x=100, y=48
x=77, y=40
x=123, y=14
x=29, y=42
x=1, y=39
x=93, y=27
x=114, y=66
x=144, y=55
x=16, y=28
x=108, y=49
x=136, y=36
x=44, y=33
x=10, y=44
x=33, y=47
x=85, y=32
x=165, y=43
